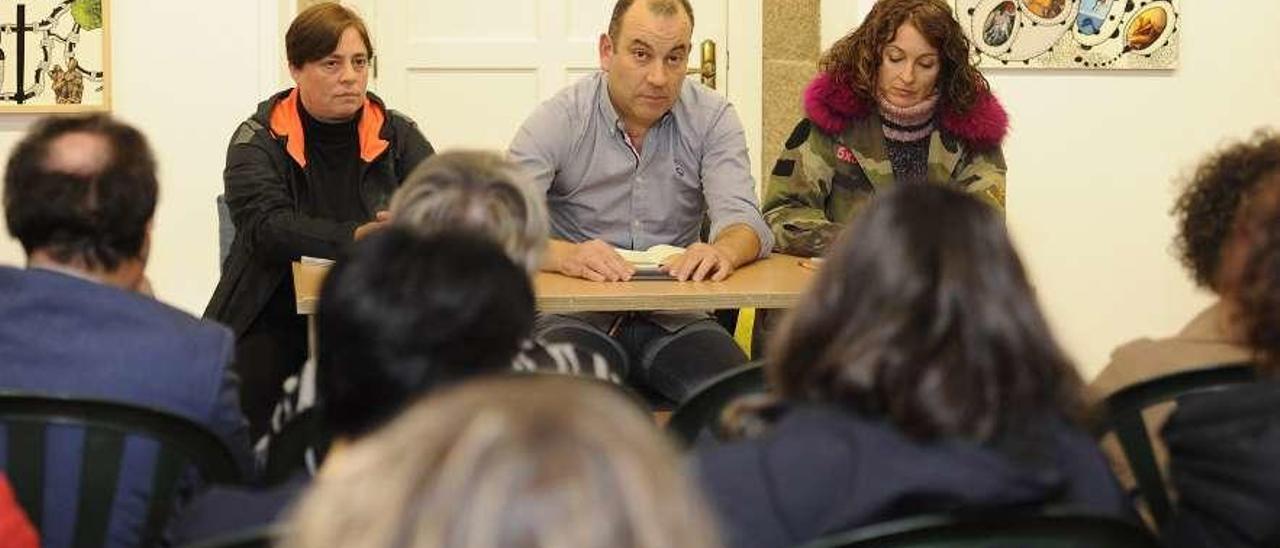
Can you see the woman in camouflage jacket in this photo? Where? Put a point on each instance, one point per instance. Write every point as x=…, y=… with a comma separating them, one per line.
x=895, y=100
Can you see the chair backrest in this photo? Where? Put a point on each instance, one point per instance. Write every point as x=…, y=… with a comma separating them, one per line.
x=226, y=229
x=300, y=446
x=106, y=425
x=1048, y=529
x=702, y=410
x=1122, y=413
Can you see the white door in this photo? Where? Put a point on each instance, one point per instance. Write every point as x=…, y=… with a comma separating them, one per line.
x=470, y=72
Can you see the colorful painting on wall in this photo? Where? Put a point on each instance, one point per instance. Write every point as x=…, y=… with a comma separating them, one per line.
x=54, y=56
x=1072, y=34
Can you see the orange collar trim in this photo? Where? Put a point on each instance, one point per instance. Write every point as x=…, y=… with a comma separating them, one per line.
x=285, y=122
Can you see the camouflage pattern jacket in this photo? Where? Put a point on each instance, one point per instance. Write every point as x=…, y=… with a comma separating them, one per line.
x=835, y=161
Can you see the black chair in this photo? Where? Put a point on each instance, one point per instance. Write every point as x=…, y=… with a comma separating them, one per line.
x=106, y=425
x=1121, y=413
x=701, y=411
x=1046, y=529
x=300, y=446
x=259, y=537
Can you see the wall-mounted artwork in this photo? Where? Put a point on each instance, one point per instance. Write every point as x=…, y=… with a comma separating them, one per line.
x=1072, y=34
x=54, y=56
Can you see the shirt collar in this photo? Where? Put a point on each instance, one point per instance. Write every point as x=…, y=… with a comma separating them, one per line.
x=66, y=271
x=611, y=114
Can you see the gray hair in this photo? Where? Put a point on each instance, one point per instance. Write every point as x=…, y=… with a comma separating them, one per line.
x=479, y=191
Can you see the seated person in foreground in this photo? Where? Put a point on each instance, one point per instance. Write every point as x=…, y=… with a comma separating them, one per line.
x=917, y=375
x=80, y=194
x=535, y=461
x=1221, y=193
x=632, y=157
x=399, y=316
x=489, y=197
x=898, y=99
x=1224, y=447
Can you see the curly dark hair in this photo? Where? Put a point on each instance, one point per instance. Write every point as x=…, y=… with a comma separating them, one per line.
x=1206, y=210
x=854, y=61
x=1258, y=289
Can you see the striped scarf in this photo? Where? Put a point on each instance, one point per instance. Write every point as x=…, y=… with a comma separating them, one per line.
x=907, y=124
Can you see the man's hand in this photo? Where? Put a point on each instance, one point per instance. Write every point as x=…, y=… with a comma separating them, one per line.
x=698, y=262
x=380, y=221
x=596, y=261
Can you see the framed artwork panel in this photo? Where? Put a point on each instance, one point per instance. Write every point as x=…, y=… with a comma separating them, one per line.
x=55, y=56
x=1072, y=34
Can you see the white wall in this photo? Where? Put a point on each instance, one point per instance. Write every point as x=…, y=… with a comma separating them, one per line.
x=185, y=74
x=1093, y=162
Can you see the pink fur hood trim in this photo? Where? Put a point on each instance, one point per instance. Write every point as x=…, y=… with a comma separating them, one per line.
x=833, y=107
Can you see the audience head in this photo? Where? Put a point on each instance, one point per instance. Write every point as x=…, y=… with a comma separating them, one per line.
x=645, y=56
x=1213, y=203
x=1254, y=285
x=922, y=314
x=401, y=314
x=329, y=52
x=869, y=55
x=476, y=191
x=81, y=191
x=533, y=461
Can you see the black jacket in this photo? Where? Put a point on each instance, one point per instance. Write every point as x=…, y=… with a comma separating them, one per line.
x=1224, y=463
x=265, y=188
x=822, y=471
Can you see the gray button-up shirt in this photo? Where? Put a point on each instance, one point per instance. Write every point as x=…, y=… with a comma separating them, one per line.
x=693, y=160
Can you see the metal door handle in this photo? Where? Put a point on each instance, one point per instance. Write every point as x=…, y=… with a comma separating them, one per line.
x=707, y=64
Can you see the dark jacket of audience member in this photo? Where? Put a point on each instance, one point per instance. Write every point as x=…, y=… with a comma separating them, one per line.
x=917, y=375
x=80, y=194
x=823, y=470
x=400, y=315
x=1226, y=468
x=1224, y=447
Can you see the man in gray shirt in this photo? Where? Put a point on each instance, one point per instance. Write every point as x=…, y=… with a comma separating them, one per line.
x=633, y=157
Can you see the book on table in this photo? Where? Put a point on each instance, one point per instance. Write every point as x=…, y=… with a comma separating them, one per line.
x=648, y=262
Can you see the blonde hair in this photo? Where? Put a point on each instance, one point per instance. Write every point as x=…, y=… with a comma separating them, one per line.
x=479, y=191
x=530, y=461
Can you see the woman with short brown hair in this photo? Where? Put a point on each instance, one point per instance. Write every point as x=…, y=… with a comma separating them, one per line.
x=311, y=171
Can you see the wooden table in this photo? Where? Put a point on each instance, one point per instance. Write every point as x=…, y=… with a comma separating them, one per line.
x=775, y=282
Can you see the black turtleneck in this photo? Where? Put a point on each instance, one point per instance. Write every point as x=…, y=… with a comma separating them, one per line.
x=331, y=191
x=333, y=169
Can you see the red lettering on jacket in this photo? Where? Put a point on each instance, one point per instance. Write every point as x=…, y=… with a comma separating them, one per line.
x=845, y=155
